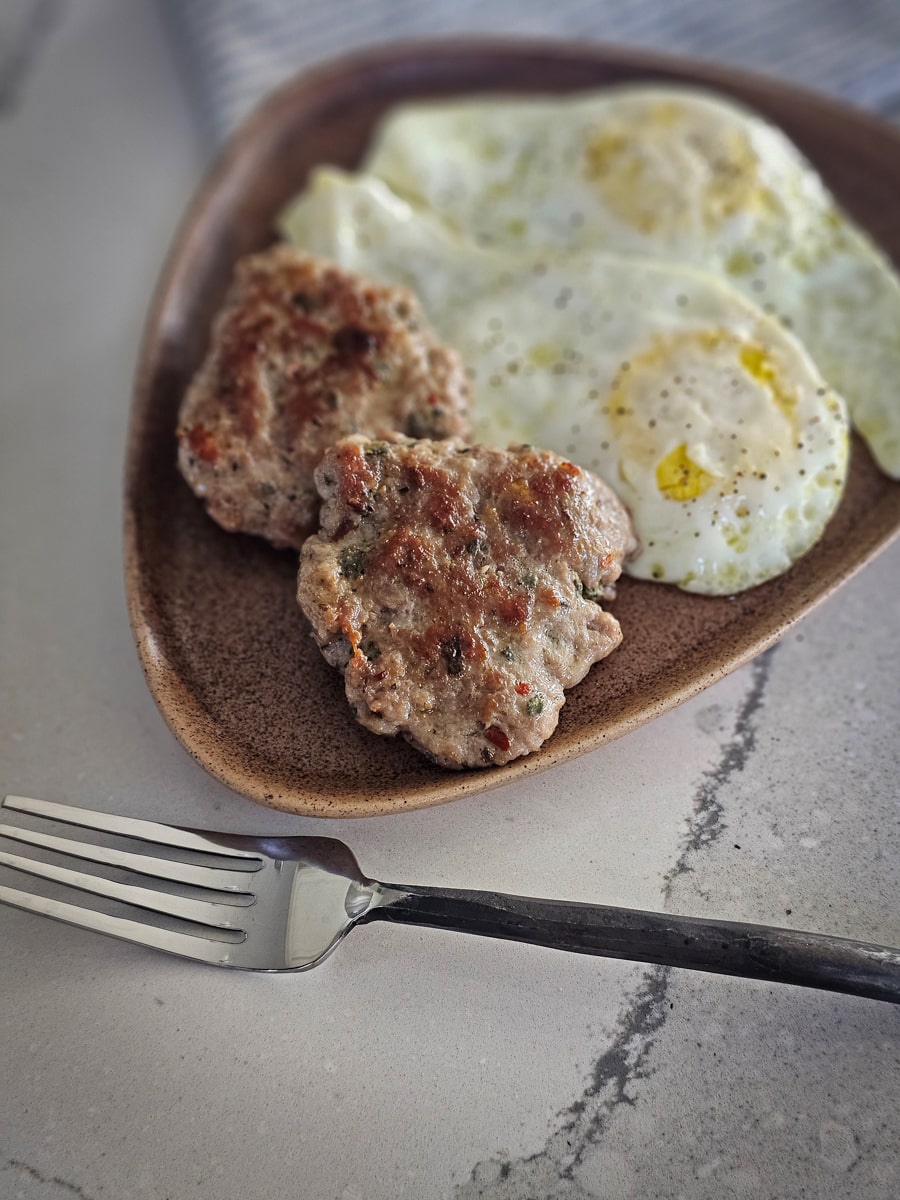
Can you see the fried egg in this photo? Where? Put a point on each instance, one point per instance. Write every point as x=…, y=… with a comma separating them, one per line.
x=675, y=174
x=707, y=417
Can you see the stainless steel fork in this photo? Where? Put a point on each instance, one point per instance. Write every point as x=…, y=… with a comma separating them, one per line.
x=284, y=903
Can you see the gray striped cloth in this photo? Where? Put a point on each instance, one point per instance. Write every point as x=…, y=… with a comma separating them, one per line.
x=234, y=51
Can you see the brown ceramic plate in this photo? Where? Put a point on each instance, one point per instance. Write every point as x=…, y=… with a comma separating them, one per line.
x=225, y=649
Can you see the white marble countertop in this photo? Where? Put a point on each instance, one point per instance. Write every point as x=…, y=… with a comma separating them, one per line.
x=413, y=1064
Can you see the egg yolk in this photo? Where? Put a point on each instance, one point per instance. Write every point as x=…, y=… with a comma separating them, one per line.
x=718, y=399
x=656, y=176
x=678, y=477
x=759, y=366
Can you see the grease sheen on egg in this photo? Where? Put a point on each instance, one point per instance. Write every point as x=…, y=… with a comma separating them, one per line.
x=708, y=418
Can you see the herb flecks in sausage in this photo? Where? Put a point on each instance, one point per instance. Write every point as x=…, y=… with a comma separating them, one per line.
x=302, y=354
x=470, y=570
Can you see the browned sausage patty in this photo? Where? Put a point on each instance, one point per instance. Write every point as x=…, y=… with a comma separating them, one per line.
x=459, y=589
x=302, y=354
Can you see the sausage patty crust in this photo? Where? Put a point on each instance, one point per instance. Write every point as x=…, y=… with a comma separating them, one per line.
x=302, y=354
x=459, y=588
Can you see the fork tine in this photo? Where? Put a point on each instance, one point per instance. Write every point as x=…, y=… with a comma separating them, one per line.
x=185, y=944
x=220, y=916
x=143, y=831
x=144, y=864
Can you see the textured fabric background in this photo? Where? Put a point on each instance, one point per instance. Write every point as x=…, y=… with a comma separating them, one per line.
x=237, y=50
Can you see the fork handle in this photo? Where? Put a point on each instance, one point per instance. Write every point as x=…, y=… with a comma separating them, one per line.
x=725, y=947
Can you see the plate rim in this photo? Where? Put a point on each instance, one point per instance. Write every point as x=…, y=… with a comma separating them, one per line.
x=196, y=733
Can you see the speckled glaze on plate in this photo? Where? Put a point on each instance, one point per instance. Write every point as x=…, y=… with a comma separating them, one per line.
x=225, y=649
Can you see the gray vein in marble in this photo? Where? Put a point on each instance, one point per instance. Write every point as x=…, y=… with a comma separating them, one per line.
x=623, y=1062
x=553, y=1172
x=707, y=822
x=54, y=1180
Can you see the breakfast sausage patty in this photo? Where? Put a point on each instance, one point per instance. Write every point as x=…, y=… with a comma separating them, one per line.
x=459, y=588
x=302, y=354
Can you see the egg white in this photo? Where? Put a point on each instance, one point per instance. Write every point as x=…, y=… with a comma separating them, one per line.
x=676, y=174
x=709, y=419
